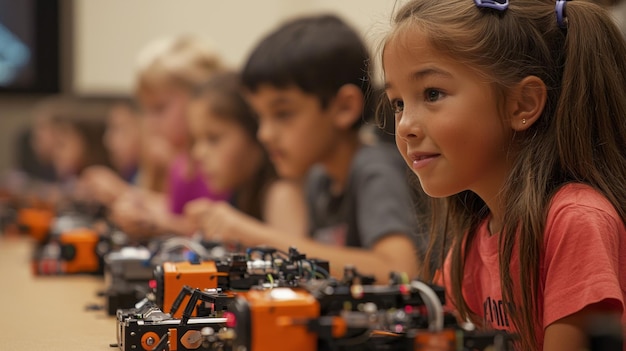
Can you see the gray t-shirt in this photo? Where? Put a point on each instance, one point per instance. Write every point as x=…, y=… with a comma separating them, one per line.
x=376, y=201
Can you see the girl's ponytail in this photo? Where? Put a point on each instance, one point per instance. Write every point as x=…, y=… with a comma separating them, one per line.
x=592, y=103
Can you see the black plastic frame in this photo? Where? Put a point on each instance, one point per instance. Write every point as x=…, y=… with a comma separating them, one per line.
x=47, y=21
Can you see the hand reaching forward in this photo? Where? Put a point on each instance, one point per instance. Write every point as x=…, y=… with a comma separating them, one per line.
x=217, y=219
x=131, y=213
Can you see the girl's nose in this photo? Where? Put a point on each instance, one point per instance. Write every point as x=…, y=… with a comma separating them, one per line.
x=264, y=133
x=408, y=126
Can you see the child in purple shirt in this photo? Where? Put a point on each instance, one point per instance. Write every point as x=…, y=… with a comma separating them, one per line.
x=183, y=189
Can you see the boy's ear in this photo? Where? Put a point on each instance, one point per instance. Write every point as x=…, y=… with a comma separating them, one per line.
x=526, y=102
x=347, y=106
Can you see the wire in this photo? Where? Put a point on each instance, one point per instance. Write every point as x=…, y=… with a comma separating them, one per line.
x=433, y=305
x=356, y=340
x=319, y=275
x=385, y=333
x=176, y=243
x=405, y=278
x=271, y=279
x=317, y=268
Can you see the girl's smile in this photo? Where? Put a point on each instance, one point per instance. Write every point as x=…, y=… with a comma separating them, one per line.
x=449, y=127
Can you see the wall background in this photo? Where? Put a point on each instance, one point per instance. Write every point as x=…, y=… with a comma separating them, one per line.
x=109, y=34
x=101, y=39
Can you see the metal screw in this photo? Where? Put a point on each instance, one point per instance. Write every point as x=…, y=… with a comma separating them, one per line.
x=150, y=341
x=133, y=333
x=133, y=346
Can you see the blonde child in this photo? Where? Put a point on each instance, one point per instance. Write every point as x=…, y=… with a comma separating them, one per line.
x=169, y=71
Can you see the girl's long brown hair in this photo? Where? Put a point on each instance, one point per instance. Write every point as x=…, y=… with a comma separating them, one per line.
x=580, y=136
x=224, y=98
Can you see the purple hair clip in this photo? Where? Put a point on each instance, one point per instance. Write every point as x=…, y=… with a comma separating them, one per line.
x=561, y=19
x=499, y=5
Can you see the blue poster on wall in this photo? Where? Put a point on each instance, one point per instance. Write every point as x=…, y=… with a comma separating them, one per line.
x=14, y=56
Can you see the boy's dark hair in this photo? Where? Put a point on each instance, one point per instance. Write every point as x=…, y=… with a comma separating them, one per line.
x=317, y=54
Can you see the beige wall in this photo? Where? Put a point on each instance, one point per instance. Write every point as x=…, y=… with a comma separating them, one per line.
x=109, y=34
x=106, y=36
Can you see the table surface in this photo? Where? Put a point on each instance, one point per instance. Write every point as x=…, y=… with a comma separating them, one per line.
x=48, y=313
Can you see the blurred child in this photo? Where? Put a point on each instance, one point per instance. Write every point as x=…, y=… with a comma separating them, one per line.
x=122, y=140
x=36, y=144
x=78, y=144
x=512, y=114
x=233, y=161
x=169, y=71
x=306, y=81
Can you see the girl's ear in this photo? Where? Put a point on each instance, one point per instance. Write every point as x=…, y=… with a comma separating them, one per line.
x=347, y=106
x=526, y=102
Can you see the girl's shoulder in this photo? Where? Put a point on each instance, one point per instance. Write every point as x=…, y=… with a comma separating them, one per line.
x=282, y=191
x=284, y=207
x=580, y=213
x=582, y=197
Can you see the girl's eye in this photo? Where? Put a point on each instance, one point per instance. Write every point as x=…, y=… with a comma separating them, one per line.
x=213, y=139
x=432, y=95
x=397, y=106
x=283, y=114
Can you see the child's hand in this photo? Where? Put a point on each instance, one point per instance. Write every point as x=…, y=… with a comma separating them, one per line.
x=217, y=219
x=195, y=211
x=102, y=184
x=130, y=213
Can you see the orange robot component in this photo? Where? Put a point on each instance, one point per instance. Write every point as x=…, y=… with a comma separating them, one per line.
x=276, y=317
x=446, y=339
x=149, y=340
x=79, y=251
x=35, y=222
x=173, y=332
x=172, y=277
x=192, y=339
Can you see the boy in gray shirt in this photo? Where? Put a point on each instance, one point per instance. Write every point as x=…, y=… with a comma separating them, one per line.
x=307, y=82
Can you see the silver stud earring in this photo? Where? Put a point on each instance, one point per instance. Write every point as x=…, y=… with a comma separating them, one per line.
x=523, y=120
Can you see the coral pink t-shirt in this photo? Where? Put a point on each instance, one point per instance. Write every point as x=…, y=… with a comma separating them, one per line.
x=584, y=262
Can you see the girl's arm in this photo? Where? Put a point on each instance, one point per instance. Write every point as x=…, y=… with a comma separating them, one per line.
x=285, y=208
x=570, y=333
x=102, y=184
x=393, y=252
x=284, y=211
x=143, y=213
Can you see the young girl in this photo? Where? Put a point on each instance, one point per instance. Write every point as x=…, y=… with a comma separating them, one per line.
x=513, y=115
x=233, y=161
